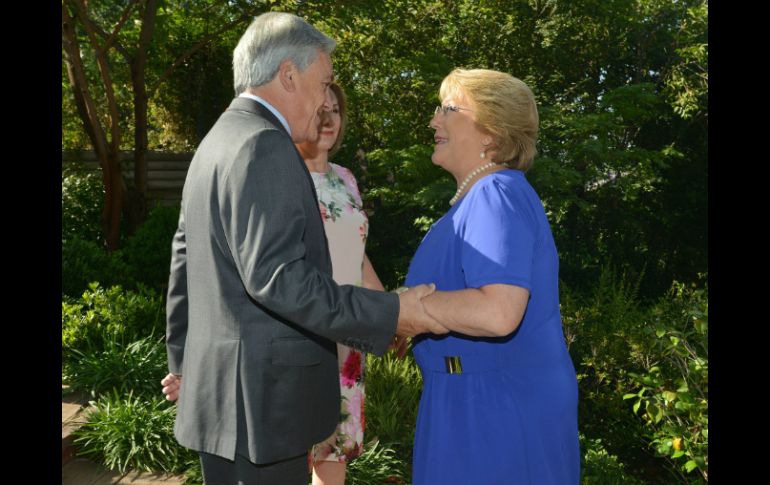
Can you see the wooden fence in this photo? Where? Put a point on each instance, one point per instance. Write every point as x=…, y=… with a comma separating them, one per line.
x=165, y=171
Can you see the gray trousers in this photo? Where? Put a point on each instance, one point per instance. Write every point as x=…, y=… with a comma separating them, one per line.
x=221, y=471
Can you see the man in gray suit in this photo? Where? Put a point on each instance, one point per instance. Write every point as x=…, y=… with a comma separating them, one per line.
x=252, y=312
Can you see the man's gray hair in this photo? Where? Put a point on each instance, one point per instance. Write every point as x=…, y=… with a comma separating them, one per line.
x=270, y=39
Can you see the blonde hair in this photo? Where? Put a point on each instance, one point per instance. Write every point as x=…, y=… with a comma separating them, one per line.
x=342, y=102
x=505, y=108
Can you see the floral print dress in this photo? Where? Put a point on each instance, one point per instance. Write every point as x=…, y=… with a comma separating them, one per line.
x=346, y=227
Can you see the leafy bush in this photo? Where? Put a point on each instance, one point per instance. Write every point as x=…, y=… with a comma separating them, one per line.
x=126, y=432
x=650, y=360
x=393, y=388
x=193, y=474
x=145, y=257
x=671, y=395
x=378, y=464
x=84, y=262
x=136, y=367
x=598, y=467
x=600, y=330
x=148, y=252
x=82, y=199
x=109, y=315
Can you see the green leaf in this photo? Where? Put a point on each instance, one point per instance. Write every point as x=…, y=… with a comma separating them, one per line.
x=682, y=405
x=674, y=340
x=690, y=466
x=654, y=412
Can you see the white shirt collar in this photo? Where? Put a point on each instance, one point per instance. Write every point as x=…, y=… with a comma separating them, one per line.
x=268, y=106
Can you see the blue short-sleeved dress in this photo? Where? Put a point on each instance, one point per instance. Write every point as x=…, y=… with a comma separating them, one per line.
x=510, y=416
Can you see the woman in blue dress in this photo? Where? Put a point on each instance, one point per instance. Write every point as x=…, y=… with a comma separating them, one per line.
x=499, y=400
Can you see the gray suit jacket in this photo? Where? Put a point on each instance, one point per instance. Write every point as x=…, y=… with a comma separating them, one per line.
x=252, y=310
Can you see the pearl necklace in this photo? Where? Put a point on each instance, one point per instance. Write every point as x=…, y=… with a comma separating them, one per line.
x=470, y=177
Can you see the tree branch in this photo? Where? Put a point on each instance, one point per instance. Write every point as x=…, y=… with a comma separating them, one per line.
x=83, y=99
x=109, y=90
x=110, y=38
x=123, y=18
x=148, y=25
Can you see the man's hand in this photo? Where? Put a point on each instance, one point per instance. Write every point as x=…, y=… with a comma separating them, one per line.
x=412, y=318
x=171, y=384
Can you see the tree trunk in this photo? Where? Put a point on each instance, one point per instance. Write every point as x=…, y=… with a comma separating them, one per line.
x=136, y=207
x=113, y=199
x=106, y=152
x=136, y=195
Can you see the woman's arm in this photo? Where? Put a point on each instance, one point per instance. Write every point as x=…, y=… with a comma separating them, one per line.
x=370, y=279
x=489, y=311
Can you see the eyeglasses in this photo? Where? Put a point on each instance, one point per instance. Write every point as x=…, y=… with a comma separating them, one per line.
x=445, y=109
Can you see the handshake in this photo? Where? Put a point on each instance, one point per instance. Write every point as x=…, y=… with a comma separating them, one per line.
x=413, y=318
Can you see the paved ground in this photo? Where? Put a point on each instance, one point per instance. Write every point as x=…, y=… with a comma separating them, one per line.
x=80, y=471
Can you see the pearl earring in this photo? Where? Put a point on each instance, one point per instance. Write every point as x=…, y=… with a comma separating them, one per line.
x=483, y=155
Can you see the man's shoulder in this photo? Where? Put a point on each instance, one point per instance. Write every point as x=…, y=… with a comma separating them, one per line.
x=235, y=137
x=247, y=118
x=238, y=126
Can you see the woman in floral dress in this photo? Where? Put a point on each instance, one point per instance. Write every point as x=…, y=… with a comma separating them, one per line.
x=346, y=228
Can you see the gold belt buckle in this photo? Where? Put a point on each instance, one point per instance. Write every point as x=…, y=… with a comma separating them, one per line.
x=453, y=365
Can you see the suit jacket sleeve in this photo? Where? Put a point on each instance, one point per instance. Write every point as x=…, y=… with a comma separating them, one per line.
x=176, y=301
x=265, y=221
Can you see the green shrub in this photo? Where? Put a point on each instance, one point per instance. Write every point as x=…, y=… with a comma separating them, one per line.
x=109, y=315
x=671, y=394
x=125, y=432
x=601, y=331
x=650, y=360
x=598, y=467
x=84, y=262
x=82, y=199
x=144, y=258
x=136, y=367
x=393, y=388
x=378, y=464
x=148, y=252
x=193, y=474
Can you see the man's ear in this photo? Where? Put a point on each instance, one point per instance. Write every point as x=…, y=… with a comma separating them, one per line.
x=286, y=73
